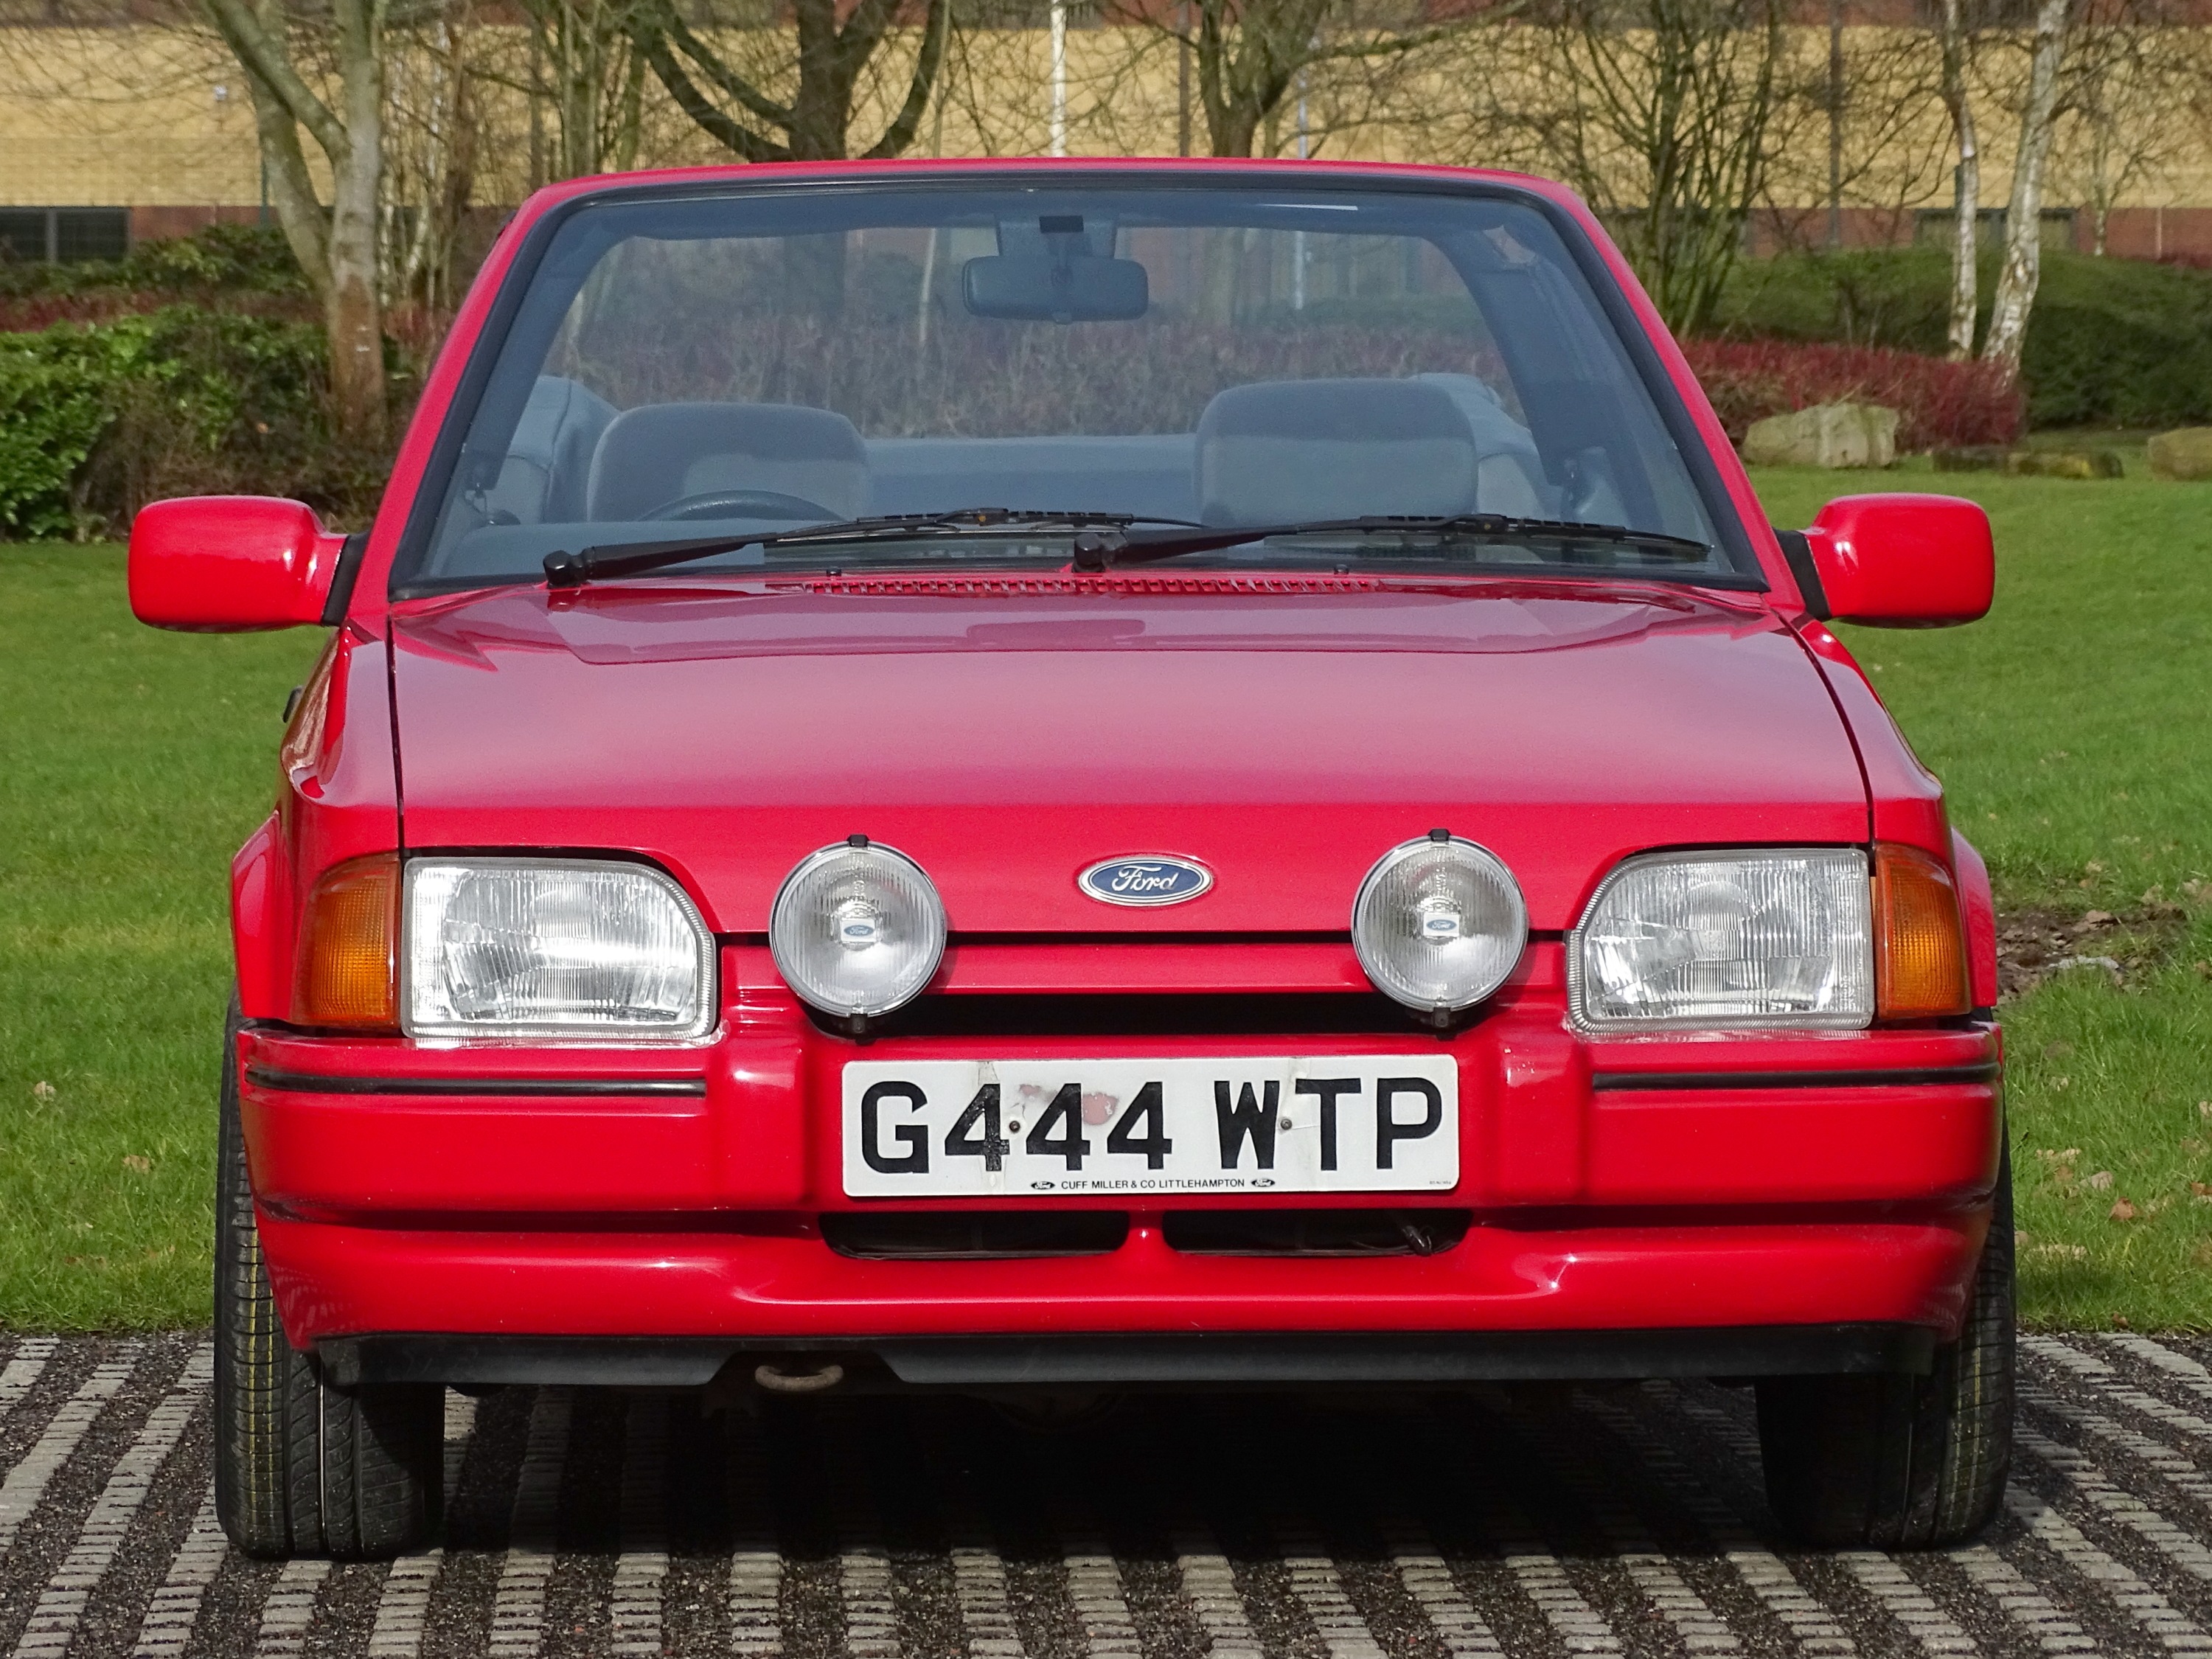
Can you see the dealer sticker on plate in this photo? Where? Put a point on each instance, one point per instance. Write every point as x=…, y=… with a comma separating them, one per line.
x=1005, y=1128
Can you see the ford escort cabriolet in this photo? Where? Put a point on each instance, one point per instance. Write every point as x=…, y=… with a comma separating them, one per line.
x=1053, y=779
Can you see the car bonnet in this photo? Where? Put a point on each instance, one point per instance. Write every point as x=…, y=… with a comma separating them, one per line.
x=1010, y=733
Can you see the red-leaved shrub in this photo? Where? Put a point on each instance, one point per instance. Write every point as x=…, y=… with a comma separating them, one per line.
x=1941, y=404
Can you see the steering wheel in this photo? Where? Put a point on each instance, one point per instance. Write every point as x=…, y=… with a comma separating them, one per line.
x=743, y=504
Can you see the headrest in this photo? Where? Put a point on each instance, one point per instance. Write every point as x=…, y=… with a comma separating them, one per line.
x=1279, y=449
x=660, y=453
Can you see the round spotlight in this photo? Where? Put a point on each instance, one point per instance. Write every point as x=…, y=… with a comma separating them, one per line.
x=857, y=929
x=1439, y=923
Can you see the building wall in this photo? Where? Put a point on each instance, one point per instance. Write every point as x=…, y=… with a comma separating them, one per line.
x=156, y=119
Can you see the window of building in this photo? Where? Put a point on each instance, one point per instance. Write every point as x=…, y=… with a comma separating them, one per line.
x=65, y=235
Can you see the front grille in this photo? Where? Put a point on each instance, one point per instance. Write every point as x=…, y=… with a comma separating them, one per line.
x=974, y=1235
x=1291, y=1014
x=1315, y=1233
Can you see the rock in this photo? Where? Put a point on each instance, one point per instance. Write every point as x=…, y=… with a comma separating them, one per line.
x=1971, y=458
x=2063, y=463
x=1826, y=434
x=2185, y=454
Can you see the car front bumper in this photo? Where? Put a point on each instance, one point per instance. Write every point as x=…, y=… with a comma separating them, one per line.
x=1632, y=1208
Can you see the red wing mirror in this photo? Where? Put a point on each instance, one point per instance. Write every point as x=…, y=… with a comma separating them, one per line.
x=1896, y=560
x=224, y=564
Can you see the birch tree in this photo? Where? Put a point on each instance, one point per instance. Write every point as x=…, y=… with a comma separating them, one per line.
x=2023, y=244
x=284, y=49
x=1965, y=181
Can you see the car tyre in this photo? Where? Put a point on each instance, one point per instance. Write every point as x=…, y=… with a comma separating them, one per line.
x=302, y=1467
x=1903, y=1463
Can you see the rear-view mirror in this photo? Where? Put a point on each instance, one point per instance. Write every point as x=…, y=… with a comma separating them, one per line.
x=1897, y=561
x=223, y=564
x=1074, y=288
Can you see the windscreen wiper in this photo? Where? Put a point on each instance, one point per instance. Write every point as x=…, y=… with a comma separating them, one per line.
x=1102, y=547
x=611, y=560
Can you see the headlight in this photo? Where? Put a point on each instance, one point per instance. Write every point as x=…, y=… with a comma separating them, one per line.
x=1439, y=923
x=529, y=947
x=1674, y=940
x=857, y=929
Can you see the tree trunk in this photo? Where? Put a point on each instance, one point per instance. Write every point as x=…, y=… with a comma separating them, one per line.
x=1965, y=187
x=2023, y=251
x=338, y=247
x=354, y=313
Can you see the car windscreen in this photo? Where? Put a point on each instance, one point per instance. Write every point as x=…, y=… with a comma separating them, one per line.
x=756, y=361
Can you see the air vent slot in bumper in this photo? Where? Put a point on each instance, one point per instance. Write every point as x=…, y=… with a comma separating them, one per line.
x=1315, y=1233
x=973, y=1235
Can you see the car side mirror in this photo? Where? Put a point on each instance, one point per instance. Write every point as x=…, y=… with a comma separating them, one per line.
x=226, y=564
x=1896, y=560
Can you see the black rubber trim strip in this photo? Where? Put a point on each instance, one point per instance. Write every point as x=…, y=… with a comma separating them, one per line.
x=1913, y=1078
x=312, y=1083
x=342, y=582
x=1159, y=1358
x=1799, y=553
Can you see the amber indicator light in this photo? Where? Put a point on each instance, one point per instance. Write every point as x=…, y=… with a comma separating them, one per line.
x=348, y=948
x=1920, y=947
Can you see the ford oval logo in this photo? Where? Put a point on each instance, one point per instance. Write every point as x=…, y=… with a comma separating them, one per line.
x=1156, y=878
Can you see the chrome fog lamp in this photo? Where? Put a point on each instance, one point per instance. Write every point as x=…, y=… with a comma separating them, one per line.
x=1678, y=941
x=857, y=930
x=540, y=948
x=1439, y=923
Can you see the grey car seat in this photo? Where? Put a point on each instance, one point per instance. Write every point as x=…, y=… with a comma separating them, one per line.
x=1280, y=449
x=659, y=454
x=549, y=456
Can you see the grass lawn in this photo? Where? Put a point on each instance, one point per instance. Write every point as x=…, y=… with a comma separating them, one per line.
x=136, y=762
x=2074, y=729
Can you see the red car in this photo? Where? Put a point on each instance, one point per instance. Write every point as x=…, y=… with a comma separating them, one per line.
x=1049, y=779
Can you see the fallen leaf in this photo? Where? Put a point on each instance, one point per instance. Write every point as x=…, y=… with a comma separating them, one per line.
x=2095, y=866
x=133, y=1161
x=2101, y=1180
x=2066, y=1156
x=2061, y=1083
x=2200, y=1189
x=2120, y=1322
x=2099, y=919
x=2071, y=1252
x=44, y=1090
x=2062, y=1173
x=2121, y=1211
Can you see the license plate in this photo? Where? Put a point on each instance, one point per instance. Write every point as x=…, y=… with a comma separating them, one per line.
x=1009, y=1128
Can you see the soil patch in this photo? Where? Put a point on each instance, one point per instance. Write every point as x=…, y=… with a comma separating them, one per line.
x=2032, y=945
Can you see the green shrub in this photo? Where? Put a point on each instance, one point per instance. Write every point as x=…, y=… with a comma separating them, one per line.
x=97, y=419
x=2111, y=342
x=222, y=258
x=52, y=414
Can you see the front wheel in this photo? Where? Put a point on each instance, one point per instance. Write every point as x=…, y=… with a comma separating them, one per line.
x=302, y=1468
x=1903, y=1463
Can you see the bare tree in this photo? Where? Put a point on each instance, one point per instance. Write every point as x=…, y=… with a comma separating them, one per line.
x=1349, y=67
x=2023, y=244
x=585, y=68
x=2129, y=69
x=1668, y=115
x=767, y=93
x=285, y=48
x=1956, y=42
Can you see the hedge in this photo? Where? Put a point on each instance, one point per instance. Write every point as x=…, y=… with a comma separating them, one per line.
x=95, y=419
x=2110, y=343
x=1942, y=404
